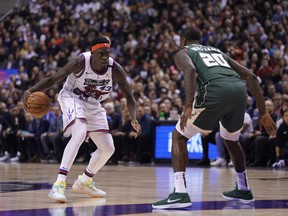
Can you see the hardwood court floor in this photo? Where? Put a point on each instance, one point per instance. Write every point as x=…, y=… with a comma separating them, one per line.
x=132, y=189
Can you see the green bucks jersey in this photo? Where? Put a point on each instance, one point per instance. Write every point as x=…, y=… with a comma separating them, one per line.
x=210, y=63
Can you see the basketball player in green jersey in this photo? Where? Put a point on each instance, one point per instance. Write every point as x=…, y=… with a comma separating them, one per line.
x=221, y=100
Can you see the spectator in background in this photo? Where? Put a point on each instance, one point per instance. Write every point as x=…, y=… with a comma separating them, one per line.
x=11, y=143
x=284, y=107
x=281, y=143
x=277, y=102
x=27, y=140
x=142, y=146
x=126, y=140
x=265, y=71
x=163, y=111
x=205, y=140
x=5, y=118
x=114, y=121
x=48, y=138
x=245, y=137
x=37, y=127
x=270, y=90
x=250, y=107
x=261, y=141
x=10, y=63
x=223, y=156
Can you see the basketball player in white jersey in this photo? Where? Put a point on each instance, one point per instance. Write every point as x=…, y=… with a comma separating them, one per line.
x=88, y=82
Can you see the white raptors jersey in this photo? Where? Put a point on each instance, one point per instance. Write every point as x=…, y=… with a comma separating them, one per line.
x=87, y=85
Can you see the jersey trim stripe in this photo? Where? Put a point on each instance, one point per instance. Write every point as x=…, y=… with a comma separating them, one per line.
x=79, y=74
x=100, y=130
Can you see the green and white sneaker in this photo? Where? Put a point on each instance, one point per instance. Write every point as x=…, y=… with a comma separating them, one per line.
x=57, y=192
x=175, y=200
x=87, y=188
x=241, y=195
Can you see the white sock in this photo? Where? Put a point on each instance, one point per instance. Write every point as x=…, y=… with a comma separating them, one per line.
x=62, y=175
x=61, y=178
x=180, y=182
x=87, y=175
x=242, y=181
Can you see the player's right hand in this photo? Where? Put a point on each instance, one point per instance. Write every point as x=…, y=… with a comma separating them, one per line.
x=267, y=122
x=184, y=118
x=26, y=95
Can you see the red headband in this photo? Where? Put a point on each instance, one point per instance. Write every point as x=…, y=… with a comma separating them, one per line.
x=98, y=46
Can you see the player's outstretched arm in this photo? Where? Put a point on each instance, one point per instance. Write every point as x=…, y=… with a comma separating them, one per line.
x=265, y=119
x=120, y=77
x=74, y=65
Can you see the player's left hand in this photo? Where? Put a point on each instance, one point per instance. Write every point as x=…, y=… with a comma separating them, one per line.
x=267, y=122
x=136, y=127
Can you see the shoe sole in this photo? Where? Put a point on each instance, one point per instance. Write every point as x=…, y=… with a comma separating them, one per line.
x=218, y=165
x=59, y=200
x=241, y=200
x=172, y=206
x=78, y=189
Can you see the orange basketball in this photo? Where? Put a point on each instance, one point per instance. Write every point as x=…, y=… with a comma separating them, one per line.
x=38, y=104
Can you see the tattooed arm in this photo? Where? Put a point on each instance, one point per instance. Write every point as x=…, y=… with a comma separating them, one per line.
x=185, y=64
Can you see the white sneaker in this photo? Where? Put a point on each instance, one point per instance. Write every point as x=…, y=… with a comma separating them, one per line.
x=5, y=158
x=87, y=188
x=230, y=164
x=57, y=192
x=16, y=158
x=220, y=162
x=279, y=164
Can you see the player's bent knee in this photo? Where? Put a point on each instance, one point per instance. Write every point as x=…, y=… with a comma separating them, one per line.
x=110, y=150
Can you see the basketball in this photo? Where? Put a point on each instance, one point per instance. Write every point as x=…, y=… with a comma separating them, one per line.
x=38, y=104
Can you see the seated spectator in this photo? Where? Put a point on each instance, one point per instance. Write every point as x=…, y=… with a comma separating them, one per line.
x=250, y=107
x=114, y=121
x=26, y=138
x=142, y=145
x=277, y=101
x=284, y=107
x=11, y=143
x=205, y=139
x=247, y=129
x=222, y=158
x=261, y=141
x=123, y=134
x=5, y=116
x=37, y=126
x=245, y=137
x=48, y=138
x=281, y=148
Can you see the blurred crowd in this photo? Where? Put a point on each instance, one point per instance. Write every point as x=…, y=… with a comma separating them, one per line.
x=38, y=38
